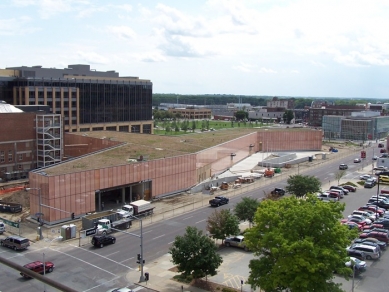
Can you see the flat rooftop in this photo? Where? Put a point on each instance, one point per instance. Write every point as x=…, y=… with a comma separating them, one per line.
x=151, y=147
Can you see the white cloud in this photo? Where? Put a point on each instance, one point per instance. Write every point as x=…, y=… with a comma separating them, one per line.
x=266, y=71
x=123, y=32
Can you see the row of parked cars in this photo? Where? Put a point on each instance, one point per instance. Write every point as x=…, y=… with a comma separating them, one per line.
x=372, y=221
x=335, y=193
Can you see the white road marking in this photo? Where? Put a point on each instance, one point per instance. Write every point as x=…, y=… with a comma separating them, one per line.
x=200, y=221
x=96, y=255
x=187, y=218
x=159, y=236
x=128, y=259
x=171, y=242
x=112, y=253
x=105, y=282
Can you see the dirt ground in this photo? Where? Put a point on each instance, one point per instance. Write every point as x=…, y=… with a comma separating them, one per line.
x=19, y=197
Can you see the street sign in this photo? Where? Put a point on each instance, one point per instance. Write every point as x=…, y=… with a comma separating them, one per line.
x=91, y=231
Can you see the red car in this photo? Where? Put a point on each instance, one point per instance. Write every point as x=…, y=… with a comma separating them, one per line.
x=38, y=268
x=350, y=188
x=374, y=227
x=381, y=236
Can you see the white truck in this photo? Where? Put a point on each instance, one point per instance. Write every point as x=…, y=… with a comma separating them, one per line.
x=105, y=226
x=136, y=208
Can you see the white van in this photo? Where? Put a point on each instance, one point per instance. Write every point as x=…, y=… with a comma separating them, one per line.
x=2, y=227
x=372, y=252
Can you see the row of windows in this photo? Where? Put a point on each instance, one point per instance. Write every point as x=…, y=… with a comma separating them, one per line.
x=10, y=156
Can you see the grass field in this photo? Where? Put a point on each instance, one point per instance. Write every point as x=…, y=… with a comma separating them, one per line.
x=178, y=127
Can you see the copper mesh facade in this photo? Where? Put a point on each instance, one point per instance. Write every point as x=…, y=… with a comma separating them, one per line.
x=76, y=192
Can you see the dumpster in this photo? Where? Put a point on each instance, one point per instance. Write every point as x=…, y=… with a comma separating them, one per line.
x=310, y=158
x=277, y=170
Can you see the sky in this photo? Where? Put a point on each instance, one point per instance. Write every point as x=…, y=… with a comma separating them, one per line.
x=300, y=48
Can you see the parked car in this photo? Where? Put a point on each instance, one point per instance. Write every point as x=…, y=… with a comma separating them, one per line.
x=365, y=176
x=379, y=203
x=360, y=219
x=383, y=221
x=375, y=157
x=385, y=172
x=380, y=145
x=101, y=240
x=339, y=193
x=350, y=188
x=356, y=254
x=368, y=229
x=38, y=267
x=384, y=178
x=340, y=188
x=369, y=183
x=278, y=192
x=328, y=196
x=381, y=244
x=237, y=241
x=364, y=214
x=372, y=252
x=374, y=209
x=343, y=166
x=352, y=225
x=380, y=168
x=381, y=236
x=356, y=264
x=357, y=160
x=366, y=243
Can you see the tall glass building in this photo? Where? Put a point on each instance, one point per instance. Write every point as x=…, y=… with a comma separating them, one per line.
x=87, y=100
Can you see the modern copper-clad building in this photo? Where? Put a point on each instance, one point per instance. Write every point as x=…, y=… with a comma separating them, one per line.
x=117, y=172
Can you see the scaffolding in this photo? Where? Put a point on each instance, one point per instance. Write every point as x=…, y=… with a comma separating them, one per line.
x=49, y=139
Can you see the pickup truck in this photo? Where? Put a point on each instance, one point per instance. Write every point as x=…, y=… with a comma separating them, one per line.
x=218, y=200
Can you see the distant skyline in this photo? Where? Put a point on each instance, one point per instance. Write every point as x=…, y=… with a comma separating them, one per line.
x=295, y=48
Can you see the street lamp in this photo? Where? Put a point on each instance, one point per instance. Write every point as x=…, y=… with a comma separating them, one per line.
x=40, y=214
x=378, y=191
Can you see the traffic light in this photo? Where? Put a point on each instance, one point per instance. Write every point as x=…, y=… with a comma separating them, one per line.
x=72, y=216
x=139, y=258
x=146, y=276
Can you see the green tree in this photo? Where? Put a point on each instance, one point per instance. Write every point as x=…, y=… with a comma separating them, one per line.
x=195, y=254
x=221, y=224
x=193, y=125
x=298, y=244
x=301, y=185
x=288, y=116
x=246, y=209
x=241, y=115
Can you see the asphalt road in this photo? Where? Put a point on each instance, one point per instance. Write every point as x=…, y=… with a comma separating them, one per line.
x=87, y=268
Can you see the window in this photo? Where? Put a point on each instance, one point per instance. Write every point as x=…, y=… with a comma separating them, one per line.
x=10, y=158
x=20, y=156
x=20, y=166
x=1, y=156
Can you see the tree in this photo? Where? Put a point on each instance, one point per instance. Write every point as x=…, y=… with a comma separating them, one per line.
x=193, y=126
x=241, y=115
x=246, y=209
x=300, y=185
x=288, y=116
x=221, y=224
x=298, y=244
x=195, y=254
x=339, y=174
